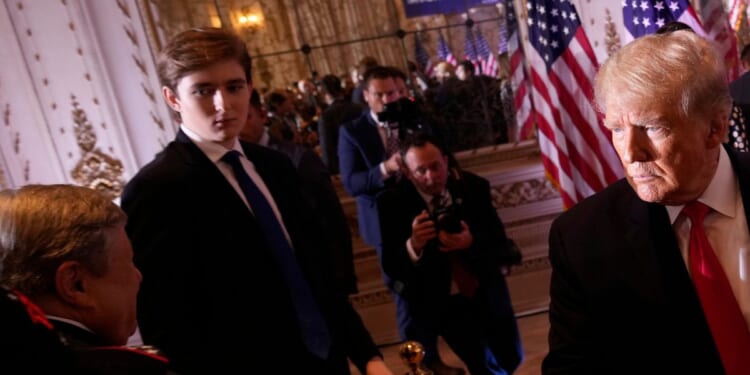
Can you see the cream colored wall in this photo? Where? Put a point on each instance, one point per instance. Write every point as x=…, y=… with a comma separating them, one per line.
x=79, y=97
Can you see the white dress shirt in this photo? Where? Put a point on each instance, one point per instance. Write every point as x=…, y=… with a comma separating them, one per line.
x=726, y=229
x=215, y=152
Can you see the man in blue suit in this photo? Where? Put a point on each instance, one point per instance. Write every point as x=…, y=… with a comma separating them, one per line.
x=368, y=165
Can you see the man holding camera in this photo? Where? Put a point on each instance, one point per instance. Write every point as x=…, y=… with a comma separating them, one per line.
x=369, y=161
x=442, y=249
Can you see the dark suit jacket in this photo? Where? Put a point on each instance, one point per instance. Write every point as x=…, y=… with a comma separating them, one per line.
x=361, y=151
x=740, y=91
x=427, y=283
x=94, y=356
x=212, y=296
x=29, y=344
x=622, y=299
x=324, y=202
x=338, y=113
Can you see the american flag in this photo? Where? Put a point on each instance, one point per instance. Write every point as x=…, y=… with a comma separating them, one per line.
x=420, y=55
x=502, y=31
x=518, y=79
x=471, y=50
x=576, y=149
x=642, y=17
x=717, y=27
x=486, y=56
x=444, y=51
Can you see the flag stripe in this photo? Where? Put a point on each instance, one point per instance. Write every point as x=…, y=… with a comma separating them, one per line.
x=525, y=114
x=576, y=149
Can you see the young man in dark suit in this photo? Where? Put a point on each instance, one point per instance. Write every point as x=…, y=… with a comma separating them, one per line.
x=442, y=245
x=233, y=274
x=641, y=283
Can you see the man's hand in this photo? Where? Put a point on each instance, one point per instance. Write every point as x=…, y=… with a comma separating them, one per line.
x=376, y=366
x=393, y=164
x=455, y=241
x=422, y=231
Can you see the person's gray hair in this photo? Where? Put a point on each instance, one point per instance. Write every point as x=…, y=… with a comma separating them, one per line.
x=677, y=68
x=42, y=226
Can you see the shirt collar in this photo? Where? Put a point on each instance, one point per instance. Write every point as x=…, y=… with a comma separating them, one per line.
x=721, y=193
x=378, y=123
x=213, y=151
x=69, y=321
x=264, y=138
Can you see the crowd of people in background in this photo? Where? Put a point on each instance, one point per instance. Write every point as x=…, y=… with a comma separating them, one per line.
x=471, y=109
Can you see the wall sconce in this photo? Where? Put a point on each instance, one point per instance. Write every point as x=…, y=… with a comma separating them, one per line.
x=250, y=18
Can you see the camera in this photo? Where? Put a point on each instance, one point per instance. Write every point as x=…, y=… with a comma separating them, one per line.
x=447, y=219
x=404, y=112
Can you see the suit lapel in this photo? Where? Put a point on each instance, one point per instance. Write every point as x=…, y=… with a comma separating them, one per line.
x=741, y=165
x=369, y=138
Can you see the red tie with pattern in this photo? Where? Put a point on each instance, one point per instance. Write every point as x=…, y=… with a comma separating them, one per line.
x=728, y=326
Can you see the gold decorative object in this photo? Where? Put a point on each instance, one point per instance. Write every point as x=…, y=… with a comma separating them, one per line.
x=412, y=354
x=124, y=8
x=141, y=65
x=249, y=18
x=95, y=169
x=157, y=120
x=611, y=38
x=6, y=114
x=131, y=36
x=3, y=183
x=149, y=93
x=16, y=142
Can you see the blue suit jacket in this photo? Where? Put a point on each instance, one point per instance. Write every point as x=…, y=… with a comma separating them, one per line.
x=360, y=152
x=622, y=299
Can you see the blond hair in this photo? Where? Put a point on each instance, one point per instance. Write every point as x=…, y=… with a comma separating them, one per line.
x=677, y=68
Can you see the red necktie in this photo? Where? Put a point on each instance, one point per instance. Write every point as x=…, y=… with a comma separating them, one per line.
x=465, y=280
x=728, y=326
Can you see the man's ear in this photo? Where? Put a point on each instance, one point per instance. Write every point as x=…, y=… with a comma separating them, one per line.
x=719, y=127
x=71, y=283
x=171, y=97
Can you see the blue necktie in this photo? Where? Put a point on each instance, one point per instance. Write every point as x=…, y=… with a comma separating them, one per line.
x=314, y=330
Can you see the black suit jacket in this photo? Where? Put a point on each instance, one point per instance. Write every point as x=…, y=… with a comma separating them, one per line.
x=426, y=285
x=622, y=299
x=212, y=296
x=740, y=91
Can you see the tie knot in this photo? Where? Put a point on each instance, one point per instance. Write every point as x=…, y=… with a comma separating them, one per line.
x=696, y=211
x=231, y=157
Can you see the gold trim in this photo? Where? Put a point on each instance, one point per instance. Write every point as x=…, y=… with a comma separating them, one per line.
x=95, y=169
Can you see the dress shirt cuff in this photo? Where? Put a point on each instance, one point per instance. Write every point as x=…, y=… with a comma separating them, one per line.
x=412, y=253
x=384, y=171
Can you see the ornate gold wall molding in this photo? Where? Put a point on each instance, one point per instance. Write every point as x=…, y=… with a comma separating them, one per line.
x=95, y=169
x=611, y=39
x=524, y=192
